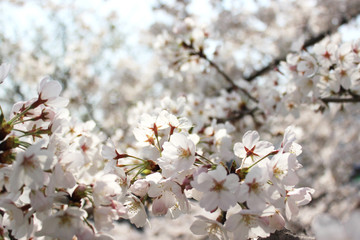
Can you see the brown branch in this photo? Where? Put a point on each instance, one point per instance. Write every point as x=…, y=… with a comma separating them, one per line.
x=340, y=100
x=313, y=40
x=228, y=79
x=200, y=53
x=287, y=235
x=237, y=115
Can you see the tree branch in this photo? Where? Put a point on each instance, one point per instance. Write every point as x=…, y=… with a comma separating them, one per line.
x=340, y=100
x=200, y=53
x=236, y=115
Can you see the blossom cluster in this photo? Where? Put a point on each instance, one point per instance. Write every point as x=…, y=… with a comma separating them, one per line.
x=61, y=179
x=329, y=72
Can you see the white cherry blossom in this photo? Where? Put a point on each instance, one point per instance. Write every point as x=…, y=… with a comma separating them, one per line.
x=205, y=226
x=251, y=149
x=178, y=154
x=218, y=189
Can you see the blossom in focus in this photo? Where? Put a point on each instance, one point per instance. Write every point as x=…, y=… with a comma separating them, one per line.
x=254, y=189
x=251, y=148
x=49, y=91
x=218, y=189
x=178, y=154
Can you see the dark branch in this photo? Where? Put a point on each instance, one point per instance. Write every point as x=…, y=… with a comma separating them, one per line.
x=340, y=100
x=200, y=53
x=287, y=235
x=313, y=40
x=237, y=115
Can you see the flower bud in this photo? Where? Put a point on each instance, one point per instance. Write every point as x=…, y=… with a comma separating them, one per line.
x=79, y=193
x=140, y=187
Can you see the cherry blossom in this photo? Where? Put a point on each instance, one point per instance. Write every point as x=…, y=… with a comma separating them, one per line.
x=218, y=189
x=64, y=224
x=248, y=224
x=49, y=91
x=29, y=168
x=254, y=189
x=117, y=143
x=251, y=149
x=178, y=154
x=211, y=228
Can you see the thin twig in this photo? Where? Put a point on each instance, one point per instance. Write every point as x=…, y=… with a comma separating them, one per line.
x=228, y=79
x=200, y=53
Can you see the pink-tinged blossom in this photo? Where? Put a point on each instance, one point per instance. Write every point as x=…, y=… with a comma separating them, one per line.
x=71, y=166
x=327, y=84
x=343, y=76
x=62, y=177
x=295, y=198
x=49, y=91
x=145, y=136
x=169, y=120
x=65, y=224
x=345, y=55
x=174, y=107
x=105, y=189
x=178, y=154
x=251, y=149
x=105, y=215
x=288, y=144
x=281, y=170
x=40, y=202
x=29, y=168
x=109, y=152
x=147, y=132
x=135, y=211
x=325, y=53
x=19, y=222
x=167, y=196
x=249, y=224
x=140, y=187
x=254, y=189
x=223, y=144
x=4, y=71
x=208, y=227
x=276, y=221
x=307, y=66
x=218, y=189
